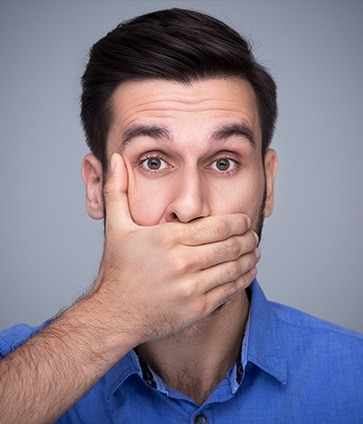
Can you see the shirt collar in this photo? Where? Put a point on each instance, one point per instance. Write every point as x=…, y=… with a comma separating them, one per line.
x=127, y=366
x=261, y=346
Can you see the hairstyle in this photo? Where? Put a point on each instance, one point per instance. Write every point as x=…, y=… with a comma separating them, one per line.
x=176, y=45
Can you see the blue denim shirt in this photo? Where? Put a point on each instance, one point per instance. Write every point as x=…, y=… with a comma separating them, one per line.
x=293, y=368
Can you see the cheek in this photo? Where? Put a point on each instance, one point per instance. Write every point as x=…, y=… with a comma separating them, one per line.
x=243, y=194
x=147, y=200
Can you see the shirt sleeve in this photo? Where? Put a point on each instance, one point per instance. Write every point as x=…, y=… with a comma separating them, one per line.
x=13, y=337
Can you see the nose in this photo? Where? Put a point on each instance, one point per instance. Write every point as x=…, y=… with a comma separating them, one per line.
x=190, y=199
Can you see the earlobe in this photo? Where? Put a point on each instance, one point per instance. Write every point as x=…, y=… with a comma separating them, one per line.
x=92, y=175
x=271, y=166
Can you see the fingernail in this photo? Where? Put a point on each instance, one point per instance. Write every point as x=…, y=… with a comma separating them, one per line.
x=256, y=237
x=248, y=222
x=258, y=253
x=253, y=271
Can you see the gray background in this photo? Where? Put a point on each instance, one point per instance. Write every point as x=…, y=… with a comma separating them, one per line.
x=50, y=249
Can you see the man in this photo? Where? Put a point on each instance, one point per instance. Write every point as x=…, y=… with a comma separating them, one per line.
x=179, y=117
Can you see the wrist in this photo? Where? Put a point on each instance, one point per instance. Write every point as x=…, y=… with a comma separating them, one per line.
x=94, y=323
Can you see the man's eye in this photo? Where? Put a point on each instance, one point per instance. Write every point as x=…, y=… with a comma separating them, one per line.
x=224, y=164
x=153, y=164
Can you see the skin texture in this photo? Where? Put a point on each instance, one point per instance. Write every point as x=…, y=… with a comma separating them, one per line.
x=187, y=186
x=179, y=244
x=191, y=152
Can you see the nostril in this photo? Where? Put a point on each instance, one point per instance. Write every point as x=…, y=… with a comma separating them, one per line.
x=174, y=217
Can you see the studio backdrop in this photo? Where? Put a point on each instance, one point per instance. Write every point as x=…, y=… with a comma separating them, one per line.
x=312, y=245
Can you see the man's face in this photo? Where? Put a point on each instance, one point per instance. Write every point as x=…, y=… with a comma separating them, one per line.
x=191, y=150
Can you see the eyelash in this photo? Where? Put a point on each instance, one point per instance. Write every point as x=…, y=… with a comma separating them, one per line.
x=143, y=161
x=227, y=171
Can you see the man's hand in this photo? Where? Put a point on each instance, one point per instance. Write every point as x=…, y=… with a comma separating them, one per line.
x=155, y=281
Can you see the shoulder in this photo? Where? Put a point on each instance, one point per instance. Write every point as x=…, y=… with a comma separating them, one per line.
x=320, y=354
x=13, y=337
x=316, y=337
x=291, y=317
x=295, y=329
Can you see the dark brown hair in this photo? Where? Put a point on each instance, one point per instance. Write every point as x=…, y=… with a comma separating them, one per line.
x=176, y=44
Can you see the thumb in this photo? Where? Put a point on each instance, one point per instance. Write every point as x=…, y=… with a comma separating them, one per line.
x=117, y=211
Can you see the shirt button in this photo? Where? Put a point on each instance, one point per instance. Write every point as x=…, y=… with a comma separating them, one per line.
x=200, y=419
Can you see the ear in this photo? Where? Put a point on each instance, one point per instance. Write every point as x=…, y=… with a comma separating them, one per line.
x=271, y=166
x=92, y=175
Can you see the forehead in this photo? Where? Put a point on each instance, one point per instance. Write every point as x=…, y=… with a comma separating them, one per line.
x=196, y=106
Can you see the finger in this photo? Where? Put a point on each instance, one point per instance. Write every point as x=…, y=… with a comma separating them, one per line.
x=195, y=258
x=231, y=249
x=222, y=294
x=227, y=272
x=115, y=195
x=213, y=228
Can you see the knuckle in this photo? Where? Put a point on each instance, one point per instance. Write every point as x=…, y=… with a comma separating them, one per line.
x=233, y=270
x=246, y=279
x=233, y=248
x=192, y=232
x=227, y=291
x=188, y=289
x=246, y=263
x=174, y=233
x=182, y=264
x=201, y=306
x=166, y=238
x=221, y=229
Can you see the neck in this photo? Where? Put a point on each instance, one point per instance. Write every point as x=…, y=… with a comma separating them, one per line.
x=197, y=359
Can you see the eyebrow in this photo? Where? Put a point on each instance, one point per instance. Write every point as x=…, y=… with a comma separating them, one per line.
x=152, y=131
x=162, y=133
x=239, y=129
